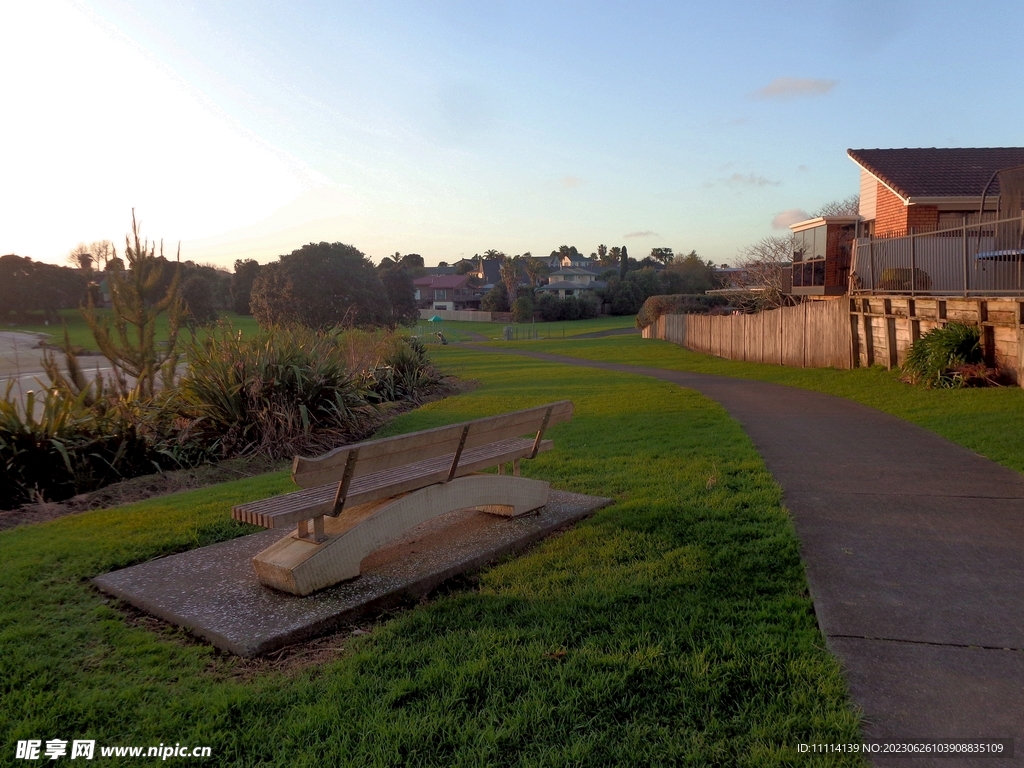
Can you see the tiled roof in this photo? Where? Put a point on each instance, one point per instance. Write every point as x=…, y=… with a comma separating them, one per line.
x=934, y=172
x=442, y=281
x=564, y=285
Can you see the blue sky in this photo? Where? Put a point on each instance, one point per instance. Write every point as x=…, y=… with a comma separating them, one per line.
x=246, y=129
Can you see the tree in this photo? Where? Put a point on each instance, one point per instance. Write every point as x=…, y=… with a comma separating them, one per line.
x=401, y=293
x=81, y=258
x=534, y=269
x=413, y=263
x=627, y=298
x=93, y=257
x=691, y=274
x=495, y=300
x=244, y=276
x=623, y=263
x=848, y=206
x=662, y=255
x=604, y=258
x=197, y=298
x=510, y=271
x=33, y=286
x=320, y=286
x=522, y=310
x=131, y=344
x=764, y=266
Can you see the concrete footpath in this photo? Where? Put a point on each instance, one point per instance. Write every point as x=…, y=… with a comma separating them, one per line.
x=914, y=551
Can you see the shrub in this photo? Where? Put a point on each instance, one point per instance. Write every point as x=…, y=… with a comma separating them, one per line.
x=590, y=305
x=280, y=393
x=406, y=373
x=549, y=306
x=495, y=300
x=934, y=359
x=571, y=308
x=522, y=310
x=60, y=444
x=678, y=304
x=900, y=279
x=293, y=391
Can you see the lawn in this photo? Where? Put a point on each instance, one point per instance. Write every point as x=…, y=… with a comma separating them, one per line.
x=987, y=420
x=81, y=336
x=463, y=331
x=674, y=627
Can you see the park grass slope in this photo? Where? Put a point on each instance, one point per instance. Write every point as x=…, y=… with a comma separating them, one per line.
x=986, y=420
x=674, y=627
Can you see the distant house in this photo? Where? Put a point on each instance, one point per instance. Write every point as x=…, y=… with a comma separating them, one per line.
x=441, y=292
x=571, y=281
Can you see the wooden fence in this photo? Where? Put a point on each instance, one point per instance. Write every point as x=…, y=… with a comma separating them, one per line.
x=816, y=334
x=458, y=315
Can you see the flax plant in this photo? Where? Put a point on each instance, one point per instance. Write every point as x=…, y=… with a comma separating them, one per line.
x=284, y=392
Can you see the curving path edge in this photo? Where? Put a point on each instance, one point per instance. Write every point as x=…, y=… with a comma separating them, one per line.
x=914, y=553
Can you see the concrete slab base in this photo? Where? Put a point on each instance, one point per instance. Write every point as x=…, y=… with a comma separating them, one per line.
x=213, y=591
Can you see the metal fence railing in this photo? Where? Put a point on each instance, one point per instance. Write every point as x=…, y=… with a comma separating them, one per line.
x=971, y=259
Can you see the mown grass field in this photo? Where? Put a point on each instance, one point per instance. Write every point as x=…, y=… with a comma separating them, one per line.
x=81, y=336
x=463, y=331
x=674, y=627
x=987, y=420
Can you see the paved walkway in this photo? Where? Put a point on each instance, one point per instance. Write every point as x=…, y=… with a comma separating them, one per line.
x=914, y=551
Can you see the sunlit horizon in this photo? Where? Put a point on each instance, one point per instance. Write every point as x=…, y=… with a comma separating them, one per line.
x=247, y=131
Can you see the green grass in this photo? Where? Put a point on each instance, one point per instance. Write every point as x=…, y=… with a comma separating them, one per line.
x=81, y=336
x=674, y=627
x=986, y=420
x=462, y=331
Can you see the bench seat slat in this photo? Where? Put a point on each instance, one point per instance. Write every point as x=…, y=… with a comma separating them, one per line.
x=286, y=510
x=400, y=451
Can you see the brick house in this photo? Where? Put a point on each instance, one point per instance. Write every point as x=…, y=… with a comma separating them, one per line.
x=441, y=292
x=926, y=189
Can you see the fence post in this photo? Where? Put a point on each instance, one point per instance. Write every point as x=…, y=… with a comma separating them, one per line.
x=913, y=262
x=965, y=254
x=871, y=261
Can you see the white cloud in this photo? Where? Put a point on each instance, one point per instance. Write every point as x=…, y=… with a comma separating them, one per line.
x=641, y=233
x=792, y=216
x=790, y=87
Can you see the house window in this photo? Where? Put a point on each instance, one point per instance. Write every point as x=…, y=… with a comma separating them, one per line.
x=809, y=248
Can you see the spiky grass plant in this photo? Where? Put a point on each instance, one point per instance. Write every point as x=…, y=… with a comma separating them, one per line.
x=933, y=359
x=55, y=444
x=282, y=392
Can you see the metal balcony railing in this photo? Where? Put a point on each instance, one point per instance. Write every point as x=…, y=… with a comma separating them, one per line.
x=972, y=259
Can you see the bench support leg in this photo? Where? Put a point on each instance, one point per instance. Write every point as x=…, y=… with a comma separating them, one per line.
x=300, y=567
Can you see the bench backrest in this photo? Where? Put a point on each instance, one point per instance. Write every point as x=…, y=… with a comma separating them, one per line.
x=391, y=452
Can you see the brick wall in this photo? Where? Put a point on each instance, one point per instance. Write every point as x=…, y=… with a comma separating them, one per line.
x=890, y=213
x=922, y=217
x=893, y=218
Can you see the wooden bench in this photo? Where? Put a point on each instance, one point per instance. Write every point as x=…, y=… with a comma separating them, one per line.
x=358, y=498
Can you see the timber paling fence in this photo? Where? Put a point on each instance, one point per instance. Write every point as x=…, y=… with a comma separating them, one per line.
x=851, y=333
x=815, y=334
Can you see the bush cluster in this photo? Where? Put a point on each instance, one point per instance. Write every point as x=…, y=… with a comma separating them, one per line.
x=678, y=304
x=280, y=393
x=948, y=357
x=581, y=307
